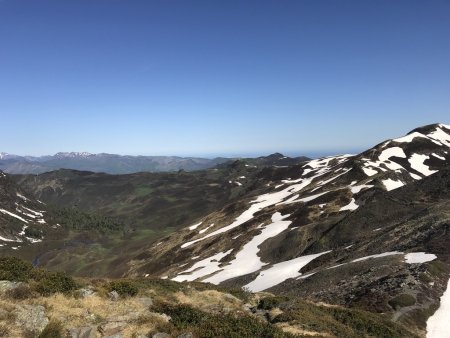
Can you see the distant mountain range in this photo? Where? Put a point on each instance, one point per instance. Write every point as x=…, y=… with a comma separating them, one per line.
x=122, y=164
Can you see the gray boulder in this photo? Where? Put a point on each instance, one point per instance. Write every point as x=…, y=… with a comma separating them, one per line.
x=31, y=317
x=112, y=328
x=113, y=295
x=82, y=332
x=161, y=335
x=186, y=335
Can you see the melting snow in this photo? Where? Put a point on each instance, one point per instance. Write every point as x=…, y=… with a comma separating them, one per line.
x=390, y=253
x=409, y=138
x=258, y=204
x=195, y=226
x=357, y=188
x=22, y=197
x=369, y=171
x=419, y=257
x=416, y=162
x=392, y=184
x=439, y=157
x=441, y=136
x=279, y=272
x=202, y=268
x=294, y=199
x=206, y=229
x=351, y=206
x=247, y=260
x=13, y=215
x=7, y=239
x=438, y=325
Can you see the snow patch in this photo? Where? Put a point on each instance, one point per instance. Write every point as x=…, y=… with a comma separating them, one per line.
x=280, y=272
x=202, y=268
x=392, y=184
x=419, y=257
x=351, y=206
x=438, y=325
x=247, y=260
x=384, y=254
x=13, y=215
x=195, y=226
x=416, y=162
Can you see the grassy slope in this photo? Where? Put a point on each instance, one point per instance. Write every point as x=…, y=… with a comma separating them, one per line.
x=202, y=309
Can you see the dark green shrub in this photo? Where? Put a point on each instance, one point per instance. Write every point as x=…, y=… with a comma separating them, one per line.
x=53, y=282
x=182, y=315
x=402, y=300
x=202, y=324
x=124, y=288
x=52, y=330
x=33, y=233
x=14, y=269
x=269, y=303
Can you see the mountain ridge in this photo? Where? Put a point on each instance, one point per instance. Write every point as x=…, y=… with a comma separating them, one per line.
x=118, y=164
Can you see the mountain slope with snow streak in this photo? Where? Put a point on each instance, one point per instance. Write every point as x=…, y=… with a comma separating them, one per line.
x=22, y=219
x=300, y=220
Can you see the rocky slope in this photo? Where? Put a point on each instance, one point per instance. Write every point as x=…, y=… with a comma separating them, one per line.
x=39, y=303
x=368, y=230
x=23, y=220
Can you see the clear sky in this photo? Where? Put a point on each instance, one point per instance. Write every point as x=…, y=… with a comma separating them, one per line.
x=219, y=77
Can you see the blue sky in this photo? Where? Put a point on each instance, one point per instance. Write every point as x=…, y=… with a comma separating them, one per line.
x=219, y=77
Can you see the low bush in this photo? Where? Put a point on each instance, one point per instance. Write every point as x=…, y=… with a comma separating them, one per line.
x=53, y=329
x=124, y=288
x=15, y=269
x=269, y=303
x=201, y=324
x=53, y=282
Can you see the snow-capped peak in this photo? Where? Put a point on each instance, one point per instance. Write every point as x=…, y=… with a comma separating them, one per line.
x=73, y=154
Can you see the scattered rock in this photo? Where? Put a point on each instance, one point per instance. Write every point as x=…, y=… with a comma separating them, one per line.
x=161, y=335
x=31, y=317
x=6, y=285
x=186, y=335
x=87, y=292
x=146, y=301
x=162, y=316
x=82, y=332
x=111, y=328
x=113, y=295
x=114, y=336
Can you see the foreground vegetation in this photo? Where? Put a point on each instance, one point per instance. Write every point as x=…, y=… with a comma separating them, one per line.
x=55, y=304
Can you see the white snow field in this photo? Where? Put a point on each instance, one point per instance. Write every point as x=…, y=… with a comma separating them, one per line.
x=392, y=184
x=416, y=162
x=419, y=257
x=438, y=325
x=280, y=272
x=202, y=268
x=351, y=206
x=247, y=260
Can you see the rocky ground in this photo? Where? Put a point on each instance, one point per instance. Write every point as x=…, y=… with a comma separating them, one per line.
x=40, y=303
